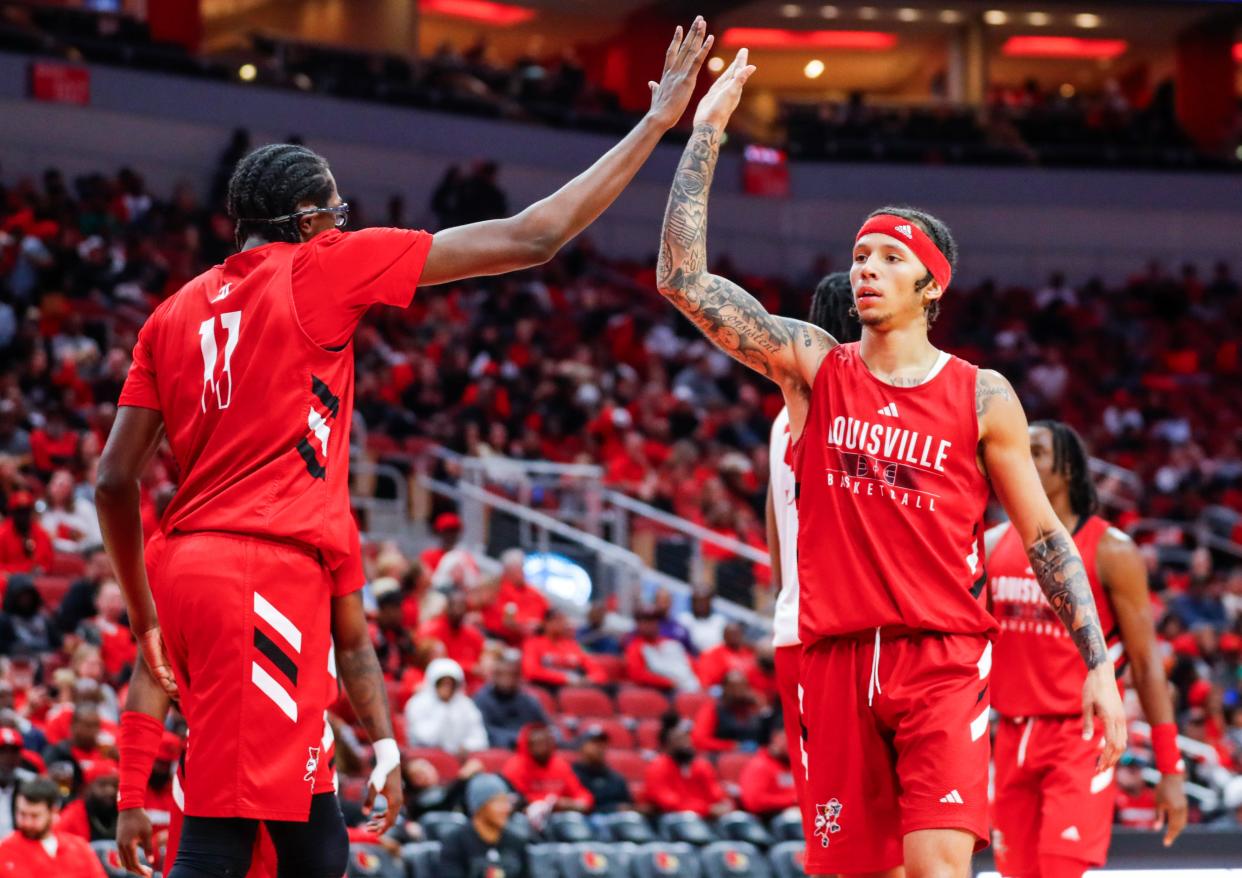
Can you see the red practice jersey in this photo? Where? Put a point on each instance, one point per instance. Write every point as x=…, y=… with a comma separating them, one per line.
x=1036, y=668
x=256, y=400
x=890, y=502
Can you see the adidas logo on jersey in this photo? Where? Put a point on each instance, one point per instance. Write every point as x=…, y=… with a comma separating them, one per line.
x=905, y=230
x=953, y=797
x=889, y=410
x=1071, y=834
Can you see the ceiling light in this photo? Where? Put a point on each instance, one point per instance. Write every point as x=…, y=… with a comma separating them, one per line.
x=715, y=64
x=247, y=73
x=868, y=12
x=950, y=16
x=791, y=10
x=995, y=17
x=908, y=14
x=829, y=11
x=1067, y=90
x=813, y=69
x=1039, y=19
x=1087, y=19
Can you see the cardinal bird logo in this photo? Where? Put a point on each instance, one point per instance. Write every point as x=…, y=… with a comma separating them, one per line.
x=367, y=861
x=594, y=862
x=826, y=820
x=666, y=863
x=736, y=861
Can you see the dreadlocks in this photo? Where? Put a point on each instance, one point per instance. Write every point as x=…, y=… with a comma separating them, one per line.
x=1070, y=458
x=832, y=308
x=272, y=181
x=941, y=237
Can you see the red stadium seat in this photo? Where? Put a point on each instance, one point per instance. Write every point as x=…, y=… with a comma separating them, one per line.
x=584, y=701
x=396, y=695
x=687, y=704
x=630, y=764
x=729, y=766
x=648, y=734
x=612, y=665
x=52, y=589
x=493, y=760
x=641, y=702
x=67, y=564
x=545, y=698
x=445, y=764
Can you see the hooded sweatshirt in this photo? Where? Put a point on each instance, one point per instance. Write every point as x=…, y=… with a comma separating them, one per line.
x=452, y=725
x=537, y=782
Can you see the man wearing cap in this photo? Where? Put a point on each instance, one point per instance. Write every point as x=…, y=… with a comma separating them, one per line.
x=12, y=775
x=485, y=847
x=897, y=446
x=449, y=562
x=93, y=815
x=25, y=546
x=37, y=847
x=606, y=786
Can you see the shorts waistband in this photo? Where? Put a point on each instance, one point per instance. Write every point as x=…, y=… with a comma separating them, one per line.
x=292, y=545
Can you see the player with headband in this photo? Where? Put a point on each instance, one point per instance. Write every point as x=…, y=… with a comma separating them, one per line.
x=896, y=445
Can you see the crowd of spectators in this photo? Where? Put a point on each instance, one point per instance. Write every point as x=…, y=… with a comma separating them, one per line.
x=1114, y=126
x=579, y=361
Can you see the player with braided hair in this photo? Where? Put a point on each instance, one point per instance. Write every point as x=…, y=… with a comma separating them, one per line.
x=249, y=371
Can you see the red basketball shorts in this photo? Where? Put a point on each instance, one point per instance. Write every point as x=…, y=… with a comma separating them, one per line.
x=247, y=627
x=895, y=743
x=788, y=659
x=1050, y=800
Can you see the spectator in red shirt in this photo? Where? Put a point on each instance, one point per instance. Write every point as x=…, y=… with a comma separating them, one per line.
x=654, y=660
x=767, y=784
x=114, y=640
x=542, y=777
x=36, y=847
x=736, y=721
x=555, y=658
x=1136, y=801
x=462, y=642
x=93, y=815
x=513, y=609
x=449, y=564
x=25, y=546
x=53, y=446
x=681, y=780
x=733, y=654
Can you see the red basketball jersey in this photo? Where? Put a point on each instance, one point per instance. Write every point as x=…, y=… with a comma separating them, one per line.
x=1036, y=668
x=256, y=412
x=891, y=502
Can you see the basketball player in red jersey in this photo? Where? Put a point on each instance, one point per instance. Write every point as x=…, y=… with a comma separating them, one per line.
x=895, y=446
x=831, y=308
x=249, y=371
x=1054, y=809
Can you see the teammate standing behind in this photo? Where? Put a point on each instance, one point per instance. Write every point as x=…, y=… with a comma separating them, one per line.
x=832, y=310
x=250, y=370
x=1054, y=808
x=901, y=441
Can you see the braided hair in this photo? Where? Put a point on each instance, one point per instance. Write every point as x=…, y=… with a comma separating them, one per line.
x=832, y=307
x=1070, y=458
x=941, y=237
x=272, y=181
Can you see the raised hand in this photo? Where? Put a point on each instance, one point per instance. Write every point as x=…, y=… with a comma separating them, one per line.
x=671, y=95
x=722, y=98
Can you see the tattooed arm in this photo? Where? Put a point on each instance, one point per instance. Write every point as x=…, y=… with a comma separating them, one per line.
x=359, y=672
x=1006, y=457
x=787, y=351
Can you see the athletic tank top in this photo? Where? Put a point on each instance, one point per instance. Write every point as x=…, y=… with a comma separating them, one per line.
x=891, y=502
x=1036, y=668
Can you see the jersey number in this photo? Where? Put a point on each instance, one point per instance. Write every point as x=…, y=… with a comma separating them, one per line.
x=221, y=390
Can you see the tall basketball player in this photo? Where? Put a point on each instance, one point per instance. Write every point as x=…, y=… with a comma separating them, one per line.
x=895, y=447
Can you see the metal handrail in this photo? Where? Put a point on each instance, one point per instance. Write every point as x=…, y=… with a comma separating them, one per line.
x=1197, y=529
x=689, y=528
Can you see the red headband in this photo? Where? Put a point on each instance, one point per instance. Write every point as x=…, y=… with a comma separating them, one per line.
x=913, y=237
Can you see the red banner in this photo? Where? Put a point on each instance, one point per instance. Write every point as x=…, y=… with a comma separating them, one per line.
x=60, y=83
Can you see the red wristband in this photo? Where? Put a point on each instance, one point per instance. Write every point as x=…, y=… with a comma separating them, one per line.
x=138, y=745
x=1164, y=748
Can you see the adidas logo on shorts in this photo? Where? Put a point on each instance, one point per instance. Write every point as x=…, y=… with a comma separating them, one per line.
x=953, y=797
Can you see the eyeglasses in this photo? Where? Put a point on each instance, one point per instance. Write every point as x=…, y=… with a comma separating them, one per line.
x=340, y=215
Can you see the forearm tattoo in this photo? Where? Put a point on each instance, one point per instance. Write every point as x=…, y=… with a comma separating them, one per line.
x=728, y=315
x=1060, y=573
x=363, y=679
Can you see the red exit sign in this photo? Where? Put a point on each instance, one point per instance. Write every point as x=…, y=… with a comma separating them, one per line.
x=60, y=83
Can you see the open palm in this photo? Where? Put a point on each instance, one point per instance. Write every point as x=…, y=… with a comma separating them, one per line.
x=722, y=98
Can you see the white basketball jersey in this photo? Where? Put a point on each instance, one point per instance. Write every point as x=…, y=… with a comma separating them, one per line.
x=785, y=510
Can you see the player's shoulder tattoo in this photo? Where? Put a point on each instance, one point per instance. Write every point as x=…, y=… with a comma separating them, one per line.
x=989, y=387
